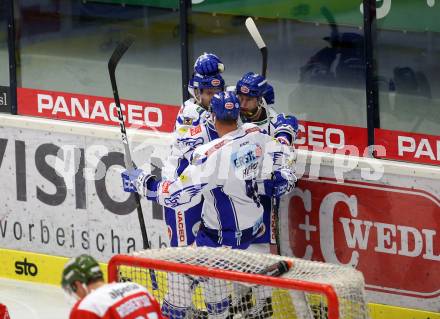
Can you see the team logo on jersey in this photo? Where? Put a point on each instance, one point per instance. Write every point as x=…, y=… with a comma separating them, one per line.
x=190, y=142
x=195, y=130
x=184, y=195
x=244, y=89
x=229, y=105
x=215, y=82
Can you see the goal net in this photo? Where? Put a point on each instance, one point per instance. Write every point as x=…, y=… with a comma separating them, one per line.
x=225, y=283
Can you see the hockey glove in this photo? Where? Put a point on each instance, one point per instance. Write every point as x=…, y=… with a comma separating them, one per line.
x=136, y=180
x=286, y=129
x=282, y=182
x=208, y=64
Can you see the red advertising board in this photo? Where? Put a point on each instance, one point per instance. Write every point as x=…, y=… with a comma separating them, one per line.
x=409, y=147
x=315, y=136
x=332, y=138
x=388, y=233
x=95, y=109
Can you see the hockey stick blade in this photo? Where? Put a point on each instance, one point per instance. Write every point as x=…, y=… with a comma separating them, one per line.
x=255, y=34
x=244, y=291
x=253, y=30
x=119, y=52
x=275, y=270
x=112, y=64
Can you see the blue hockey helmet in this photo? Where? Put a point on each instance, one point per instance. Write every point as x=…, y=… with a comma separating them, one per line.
x=201, y=82
x=225, y=106
x=208, y=64
x=252, y=84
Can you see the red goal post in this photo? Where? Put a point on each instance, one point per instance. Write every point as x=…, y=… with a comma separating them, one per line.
x=186, y=261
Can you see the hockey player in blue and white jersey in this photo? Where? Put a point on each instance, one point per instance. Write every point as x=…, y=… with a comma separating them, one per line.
x=232, y=169
x=229, y=172
x=205, y=82
x=256, y=97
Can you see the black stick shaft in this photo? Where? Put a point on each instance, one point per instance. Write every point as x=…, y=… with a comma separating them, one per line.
x=112, y=64
x=276, y=212
x=264, y=61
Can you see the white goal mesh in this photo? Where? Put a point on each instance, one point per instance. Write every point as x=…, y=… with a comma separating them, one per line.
x=225, y=283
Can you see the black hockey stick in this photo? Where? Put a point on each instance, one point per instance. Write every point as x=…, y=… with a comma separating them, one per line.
x=244, y=302
x=255, y=34
x=112, y=64
x=276, y=212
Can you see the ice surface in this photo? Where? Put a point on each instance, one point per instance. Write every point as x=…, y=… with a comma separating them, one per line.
x=27, y=300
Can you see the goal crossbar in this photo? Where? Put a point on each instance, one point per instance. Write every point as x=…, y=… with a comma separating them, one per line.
x=211, y=272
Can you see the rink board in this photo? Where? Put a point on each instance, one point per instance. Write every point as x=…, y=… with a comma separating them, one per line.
x=62, y=191
x=387, y=228
x=49, y=269
x=61, y=196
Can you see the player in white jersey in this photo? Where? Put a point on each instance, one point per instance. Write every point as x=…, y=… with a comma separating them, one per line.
x=205, y=82
x=230, y=172
x=203, y=133
x=83, y=280
x=256, y=100
x=256, y=97
x=229, y=179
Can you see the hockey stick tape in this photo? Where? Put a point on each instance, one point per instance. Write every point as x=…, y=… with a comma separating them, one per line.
x=252, y=28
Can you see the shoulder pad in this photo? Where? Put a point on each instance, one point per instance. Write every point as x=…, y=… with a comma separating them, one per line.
x=215, y=146
x=250, y=128
x=190, y=114
x=192, y=105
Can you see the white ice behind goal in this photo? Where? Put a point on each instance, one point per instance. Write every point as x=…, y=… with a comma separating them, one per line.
x=225, y=283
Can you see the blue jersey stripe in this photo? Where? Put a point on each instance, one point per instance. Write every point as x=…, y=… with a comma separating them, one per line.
x=220, y=234
x=181, y=165
x=225, y=210
x=212, y=133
